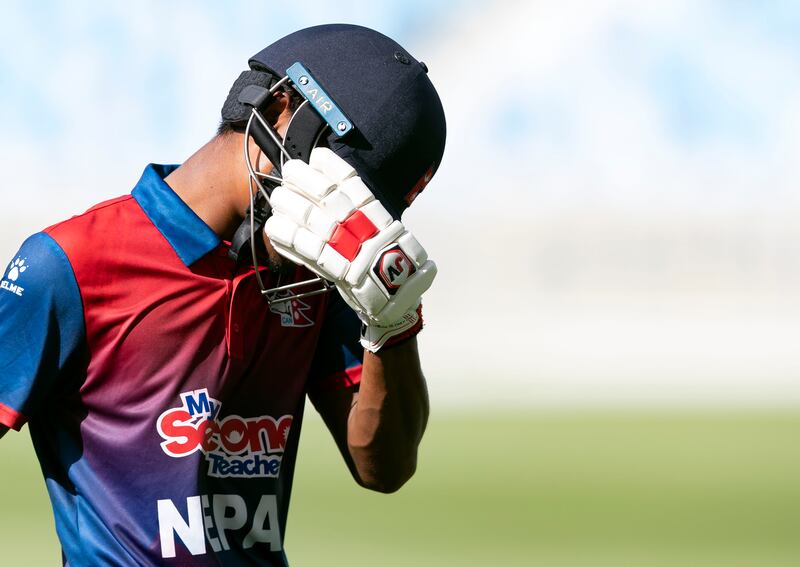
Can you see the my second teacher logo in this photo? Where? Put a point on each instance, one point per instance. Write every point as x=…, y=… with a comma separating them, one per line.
x=234, y=446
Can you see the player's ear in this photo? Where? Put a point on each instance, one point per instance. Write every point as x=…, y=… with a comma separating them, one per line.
x=280, y=112
x=279, y=109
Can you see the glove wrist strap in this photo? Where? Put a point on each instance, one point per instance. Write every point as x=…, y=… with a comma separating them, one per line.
x=377, y=336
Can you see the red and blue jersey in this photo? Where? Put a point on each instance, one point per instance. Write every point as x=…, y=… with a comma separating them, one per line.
x=164, y=398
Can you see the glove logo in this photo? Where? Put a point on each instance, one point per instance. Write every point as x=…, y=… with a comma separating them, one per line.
x=394, y=268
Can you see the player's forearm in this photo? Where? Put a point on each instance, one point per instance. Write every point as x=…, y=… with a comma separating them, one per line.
x=386, y=424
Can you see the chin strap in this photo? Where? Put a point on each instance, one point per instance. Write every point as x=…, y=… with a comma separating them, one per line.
x=241, y=238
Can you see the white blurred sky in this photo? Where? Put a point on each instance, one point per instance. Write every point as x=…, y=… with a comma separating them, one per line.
x=616, y=214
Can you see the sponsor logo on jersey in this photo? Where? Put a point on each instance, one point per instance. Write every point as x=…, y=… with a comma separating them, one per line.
x=211, y=519
x=292, y=313
x=234, y=446
x=15, y=269
x=394, y=268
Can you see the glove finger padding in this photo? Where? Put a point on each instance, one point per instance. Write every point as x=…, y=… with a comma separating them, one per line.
x=331, y=165
x=307, y=180
x=327, y=219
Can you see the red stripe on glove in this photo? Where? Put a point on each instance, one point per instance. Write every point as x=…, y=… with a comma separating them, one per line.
x=351, y=234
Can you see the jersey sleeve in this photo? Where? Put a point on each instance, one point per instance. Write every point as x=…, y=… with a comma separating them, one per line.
x=337, y=362
x=41, y=326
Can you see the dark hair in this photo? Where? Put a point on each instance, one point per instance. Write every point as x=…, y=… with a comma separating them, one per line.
x=295, y=100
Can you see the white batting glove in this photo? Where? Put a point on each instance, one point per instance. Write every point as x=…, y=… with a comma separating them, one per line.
x=327, y=219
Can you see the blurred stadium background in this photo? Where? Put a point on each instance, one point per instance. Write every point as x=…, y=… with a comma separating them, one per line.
x=611, y=343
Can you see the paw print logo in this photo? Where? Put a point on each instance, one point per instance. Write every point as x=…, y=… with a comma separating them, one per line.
x=16, y=268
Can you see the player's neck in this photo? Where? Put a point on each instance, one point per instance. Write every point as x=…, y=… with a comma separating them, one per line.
x=213, y=183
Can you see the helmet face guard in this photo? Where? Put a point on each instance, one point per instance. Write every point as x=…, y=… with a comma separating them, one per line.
x=312, y=118
x=393, y=132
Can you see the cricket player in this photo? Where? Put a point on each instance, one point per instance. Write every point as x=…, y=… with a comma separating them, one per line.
x=161, y=345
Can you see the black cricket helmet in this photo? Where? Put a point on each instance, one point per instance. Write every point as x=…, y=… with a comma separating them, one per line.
x=396, y=130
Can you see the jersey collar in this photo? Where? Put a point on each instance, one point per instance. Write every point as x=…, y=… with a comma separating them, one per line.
x=188, y=235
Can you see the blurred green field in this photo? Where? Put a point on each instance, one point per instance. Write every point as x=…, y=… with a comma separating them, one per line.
x=557, y=488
